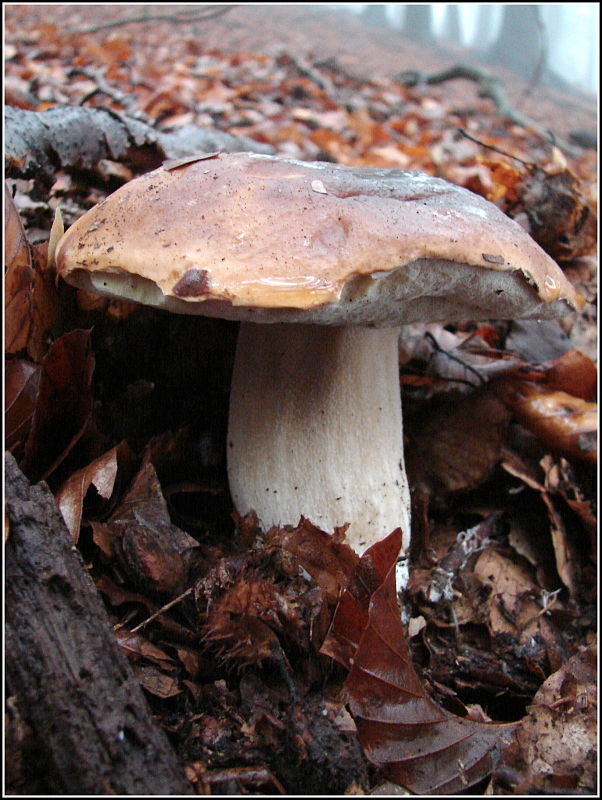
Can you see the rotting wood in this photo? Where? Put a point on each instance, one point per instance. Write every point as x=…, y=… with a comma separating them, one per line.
x=74, y=686
x=38, y=142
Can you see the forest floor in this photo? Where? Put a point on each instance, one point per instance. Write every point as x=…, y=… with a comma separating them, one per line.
x=320, y=34
x=231, y=631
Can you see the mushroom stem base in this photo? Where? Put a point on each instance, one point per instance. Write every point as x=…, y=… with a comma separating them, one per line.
x=316, y=429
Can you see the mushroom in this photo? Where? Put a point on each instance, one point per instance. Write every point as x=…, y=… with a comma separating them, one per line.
x=336, y=258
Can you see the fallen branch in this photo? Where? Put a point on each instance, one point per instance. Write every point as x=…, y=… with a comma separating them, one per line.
x=126, y=100
x=72, y=683
x=195, y=14
x=37, y=143
x=489, y=87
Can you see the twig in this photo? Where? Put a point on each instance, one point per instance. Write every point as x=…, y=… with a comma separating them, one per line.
x=490, y=87
x=126, y=101
x=435, y=344
x=307, y=71
x=189, y=15
x=527, y=164
x=162, y=609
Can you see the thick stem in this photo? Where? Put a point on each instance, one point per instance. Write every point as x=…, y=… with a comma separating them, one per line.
x=316, y=429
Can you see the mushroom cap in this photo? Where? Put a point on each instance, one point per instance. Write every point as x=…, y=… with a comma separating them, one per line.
x=271, y=239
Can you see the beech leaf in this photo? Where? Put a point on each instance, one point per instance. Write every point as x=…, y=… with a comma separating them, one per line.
x=566, y=424
x=64, y=404
x=101, y=473
x=19, y=279
x=462, y=435
x=22, y=380
x=418, y=744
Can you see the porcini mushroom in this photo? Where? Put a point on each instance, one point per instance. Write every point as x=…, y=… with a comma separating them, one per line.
x=336, y=258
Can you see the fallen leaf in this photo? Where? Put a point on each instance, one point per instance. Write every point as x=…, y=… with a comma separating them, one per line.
x=566, y=424
x=156, y=682
x=101, y=474
x=553, y=751
x=18, y=280
x=455, y=441
x=137, y=649
x=512, y=607
x=64, y=404
x=561, y=219
x=21, y=385
x=573, y=373
x=144, y=503
x=415, y=742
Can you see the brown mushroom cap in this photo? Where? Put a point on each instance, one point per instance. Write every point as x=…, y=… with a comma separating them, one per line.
x=270, y=239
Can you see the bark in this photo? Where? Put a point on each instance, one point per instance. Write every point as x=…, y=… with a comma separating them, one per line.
x=376, y=16
x=519, y=45
x=37, y=143
x=452, y=30
x=417, y=24
x=71, y=682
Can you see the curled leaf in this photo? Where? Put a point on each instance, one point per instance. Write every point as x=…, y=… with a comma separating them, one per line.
x=56, y=231
x=18, y=281
x=418, y=744
x=101, y=474
x=574, y=373
x=64, y=404
x=566, y=424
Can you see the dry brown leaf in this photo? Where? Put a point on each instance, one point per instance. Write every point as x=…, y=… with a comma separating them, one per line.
x=414, y=741
x=137, y=648
x=101, y=474
x=144, y=503
x=156, y=682
x=455, y=442
x=566, y=424
x=554, y=748
x=561, y=218
x=21, y=384
x=573, y=373
x=18, y=280
x=64, y=404
x=516, y=605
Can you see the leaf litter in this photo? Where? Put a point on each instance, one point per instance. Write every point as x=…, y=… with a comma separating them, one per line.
x=278, y=660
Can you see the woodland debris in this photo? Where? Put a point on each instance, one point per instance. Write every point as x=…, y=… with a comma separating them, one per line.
x=502, y=593
x=38, y=143
x=73, y=685
x=187, y=16
x=489, y=86
x=554, y=749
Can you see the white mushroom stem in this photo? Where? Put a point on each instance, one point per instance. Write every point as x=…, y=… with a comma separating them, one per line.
x=316, y=429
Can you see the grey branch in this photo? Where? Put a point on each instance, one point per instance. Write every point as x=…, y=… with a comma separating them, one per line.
x=37, y=143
